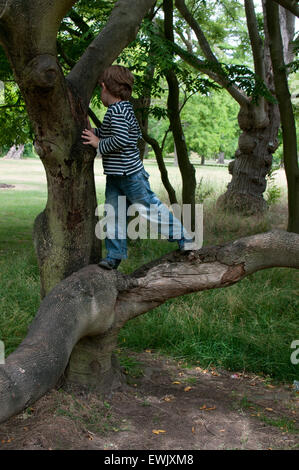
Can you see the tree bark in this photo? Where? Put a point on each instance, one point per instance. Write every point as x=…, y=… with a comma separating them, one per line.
x=88, y=308
x=221, y=158
x=15, y=152
x=286, y=114
x=162, y=167
x=187, y=170
x=253, y=160
x=291, y=5
x=64, y=233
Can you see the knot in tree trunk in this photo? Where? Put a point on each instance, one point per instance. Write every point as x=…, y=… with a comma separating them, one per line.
x=42, y=72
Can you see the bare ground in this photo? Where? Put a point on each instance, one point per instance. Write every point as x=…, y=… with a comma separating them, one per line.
x=164, y=406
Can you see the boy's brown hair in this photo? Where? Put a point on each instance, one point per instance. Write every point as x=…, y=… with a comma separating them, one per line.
x=119, y=81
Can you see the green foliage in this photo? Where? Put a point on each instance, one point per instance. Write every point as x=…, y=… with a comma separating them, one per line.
x=14, y=122
x=211, y=129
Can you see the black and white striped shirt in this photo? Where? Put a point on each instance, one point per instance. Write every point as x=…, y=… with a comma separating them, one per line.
x=119, y=134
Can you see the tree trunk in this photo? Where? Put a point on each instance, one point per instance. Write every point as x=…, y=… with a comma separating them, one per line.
x=89, y=307
x=175, y=156
x=93, y=364
x=15, y=152
x=173, y=107
x=253, y=159
x=286, y=113
x=64, y=233
x=260, y=125
x=141, y=106
x=162, y=167
x=221, y=158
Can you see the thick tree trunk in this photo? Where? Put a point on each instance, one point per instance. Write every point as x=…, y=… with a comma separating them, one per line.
x=253, y=159
x=260, y=125
x=93, y=364
x=89, y=307
x=64, y=233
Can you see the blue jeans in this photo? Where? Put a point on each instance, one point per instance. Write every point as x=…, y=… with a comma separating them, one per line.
x=136, y=190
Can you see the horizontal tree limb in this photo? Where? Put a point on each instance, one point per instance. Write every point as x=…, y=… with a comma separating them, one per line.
x=96, y=302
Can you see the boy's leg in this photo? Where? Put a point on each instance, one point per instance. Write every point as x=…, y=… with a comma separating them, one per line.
x=138, y=191
x=115, y=241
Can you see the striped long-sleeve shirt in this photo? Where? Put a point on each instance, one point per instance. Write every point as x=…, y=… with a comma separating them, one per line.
x=119, y=134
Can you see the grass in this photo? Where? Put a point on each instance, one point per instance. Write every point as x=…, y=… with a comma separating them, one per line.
x=248, y=326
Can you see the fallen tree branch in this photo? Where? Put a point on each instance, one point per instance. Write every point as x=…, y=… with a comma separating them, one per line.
x=95, y=302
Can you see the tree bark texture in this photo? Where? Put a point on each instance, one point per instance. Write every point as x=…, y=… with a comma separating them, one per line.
x=78, y=321
x=64, y=233
x=253, y=159
x=290, y=5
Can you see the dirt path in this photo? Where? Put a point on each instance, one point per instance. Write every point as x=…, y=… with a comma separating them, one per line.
x=164, y=406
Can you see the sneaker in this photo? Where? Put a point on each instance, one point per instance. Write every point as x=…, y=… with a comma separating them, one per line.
x=109, y=263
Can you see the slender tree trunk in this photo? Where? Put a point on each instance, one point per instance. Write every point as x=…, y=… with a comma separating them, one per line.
x=141, y=105
x=220, y=158
x=162, y=167
x=173, y=106
x=287, y=115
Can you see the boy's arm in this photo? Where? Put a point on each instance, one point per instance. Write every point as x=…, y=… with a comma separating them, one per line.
x=119, y=128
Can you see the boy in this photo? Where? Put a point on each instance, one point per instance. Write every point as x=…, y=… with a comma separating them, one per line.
x=116, y=140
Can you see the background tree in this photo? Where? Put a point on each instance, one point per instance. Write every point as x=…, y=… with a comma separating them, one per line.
x=286, y=113
x=258, y=117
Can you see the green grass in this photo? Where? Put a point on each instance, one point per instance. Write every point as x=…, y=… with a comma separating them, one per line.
x=248, y=326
